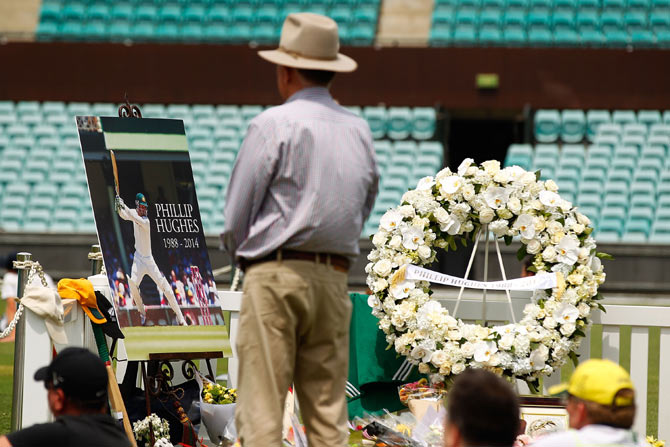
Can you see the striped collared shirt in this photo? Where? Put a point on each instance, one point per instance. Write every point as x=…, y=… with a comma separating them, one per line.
x=305, y=179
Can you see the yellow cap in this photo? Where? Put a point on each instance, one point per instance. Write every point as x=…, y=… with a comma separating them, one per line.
x=82, y=291
x=598, y=380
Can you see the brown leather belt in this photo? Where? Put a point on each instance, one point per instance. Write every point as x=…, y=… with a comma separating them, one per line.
x=339, y=262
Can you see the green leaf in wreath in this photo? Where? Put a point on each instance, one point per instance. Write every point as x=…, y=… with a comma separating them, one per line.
x=452, y=243
x=601, y=307
x=464, y=241
x=532, y=268
x=538, y=175
x=588, y=230
x=574, y=357
x=605, y=256
x=579, y=333
x=521, y=253
x=508, y=240
x=561, y=220
x=533, y=386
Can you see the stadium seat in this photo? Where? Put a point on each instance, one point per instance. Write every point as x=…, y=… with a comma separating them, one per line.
x=594, y=118
x=573, y=126
x=376, y=118
x=399, y=122
x=547, y=125
x=423, y=123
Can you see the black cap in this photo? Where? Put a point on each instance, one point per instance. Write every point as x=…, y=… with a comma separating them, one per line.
x=8, y=260
x=78, y=372
x=111, y=327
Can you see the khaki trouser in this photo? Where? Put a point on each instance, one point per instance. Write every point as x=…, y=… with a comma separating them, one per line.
x=294, y=327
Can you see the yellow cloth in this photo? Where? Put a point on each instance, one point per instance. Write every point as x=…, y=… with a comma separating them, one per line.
x=82, y=291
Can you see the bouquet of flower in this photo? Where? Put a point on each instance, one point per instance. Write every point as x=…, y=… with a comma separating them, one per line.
x=213, y=393
x=421, y=390
x=160, y=428
x=217, y=408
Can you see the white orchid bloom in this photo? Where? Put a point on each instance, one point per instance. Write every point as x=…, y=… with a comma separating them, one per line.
x=390, y=220
x=525, y=223
x=496, y=197
x=568, y=250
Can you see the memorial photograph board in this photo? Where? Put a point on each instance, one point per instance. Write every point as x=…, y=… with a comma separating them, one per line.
x=151, y=235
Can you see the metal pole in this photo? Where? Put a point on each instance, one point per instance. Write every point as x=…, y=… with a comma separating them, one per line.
x=486, y=272
x=96, y=264
x=19, y=349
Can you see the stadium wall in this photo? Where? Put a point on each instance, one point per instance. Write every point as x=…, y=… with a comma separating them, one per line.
x=229, y=74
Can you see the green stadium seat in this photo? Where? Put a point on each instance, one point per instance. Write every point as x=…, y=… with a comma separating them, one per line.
x=573, y=152
x=490, y=35
x=547, y=151
x=73, y=11
x=376, y=118
x=399, y=122
x=649, y=118
x=594, y=118
x=634, y=140
x=614, y=5
x=573, y=126
x=408, y=148
x=641, y=6
x=655, y=153
x=194, y=13
x=547, y=125
x=423, y=123
x=440, y=34
x=465, y=34
x=50, y=10
x=119, y=30
x=146, y=12
x=516, y=5
x=227, y=111
x=120, y=11
x=622, y=117
x=659, y=141
x=98, y=11
x=218, y=13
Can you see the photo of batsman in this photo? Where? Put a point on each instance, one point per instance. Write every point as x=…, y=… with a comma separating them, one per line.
x=148, y=221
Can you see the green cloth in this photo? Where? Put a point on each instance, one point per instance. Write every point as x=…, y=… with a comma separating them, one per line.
x=372, y=367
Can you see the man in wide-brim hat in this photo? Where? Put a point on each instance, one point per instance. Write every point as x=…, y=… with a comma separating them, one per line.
x=304, y=182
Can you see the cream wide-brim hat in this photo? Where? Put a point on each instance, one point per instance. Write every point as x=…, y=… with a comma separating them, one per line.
x=311, y=42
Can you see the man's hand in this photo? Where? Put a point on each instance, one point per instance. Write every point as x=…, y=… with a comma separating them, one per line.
x=4, y=442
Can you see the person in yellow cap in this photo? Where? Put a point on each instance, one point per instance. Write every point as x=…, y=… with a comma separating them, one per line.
x=601, y=406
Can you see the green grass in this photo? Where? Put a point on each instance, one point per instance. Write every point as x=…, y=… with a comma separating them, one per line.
x=6, y=382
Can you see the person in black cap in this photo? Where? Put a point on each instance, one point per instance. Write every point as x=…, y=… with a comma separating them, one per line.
x=76, y=383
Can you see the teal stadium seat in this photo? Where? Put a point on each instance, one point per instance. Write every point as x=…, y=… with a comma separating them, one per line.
x=539, y=27
x=573, y=126
x=399, y=122
x=423, y=123
x=376, y=118
x=563, y=23
x=547, y=125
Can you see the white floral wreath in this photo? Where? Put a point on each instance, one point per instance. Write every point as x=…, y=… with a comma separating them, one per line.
x=450, y=207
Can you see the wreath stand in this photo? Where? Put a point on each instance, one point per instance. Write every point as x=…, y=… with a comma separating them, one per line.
x=483, y=233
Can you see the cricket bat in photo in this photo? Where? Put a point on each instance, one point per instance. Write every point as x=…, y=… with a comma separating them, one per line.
x=116, y=172
x=115, y=399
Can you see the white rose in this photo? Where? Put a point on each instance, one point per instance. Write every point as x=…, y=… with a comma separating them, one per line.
x=382, y=267
x=379, y=285
x=421, y=353
x=492, y=167
x=424, y=368
x=506, y=341
x=551, y=185
x=514, y=205
x=458, y=368
x=533, y=246
x=468, y=192
x=584, y=309
x=549, y=254
x=549, y=323
x=424, y=252
x=582, y=219
x=380, y=238
x=395, y=242
x=578, y=228
x=407, y=211
x=463, y=167
x=486, y=215
x=502, y=176
x=504, y=213
x=467, y=349
x=439, y=358
x=567, y=329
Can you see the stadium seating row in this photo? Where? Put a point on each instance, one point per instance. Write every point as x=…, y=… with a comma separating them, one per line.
x=624, y=190
x=642, y=23
x=571, y=126
x=198, y=21
x=54, y=119
x=43, y=183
